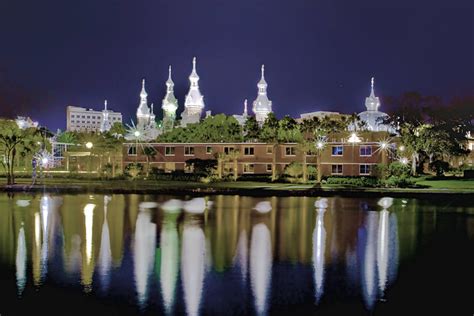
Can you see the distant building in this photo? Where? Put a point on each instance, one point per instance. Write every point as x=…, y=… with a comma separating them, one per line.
x=262, y=106
x=373, y=118
x=88, y=120
x=194, y=101
x=319, y=114
x=169, y=105
x=25, y=122
x=243, y=117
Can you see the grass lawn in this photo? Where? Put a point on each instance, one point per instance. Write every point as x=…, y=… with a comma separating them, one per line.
x=444, y=185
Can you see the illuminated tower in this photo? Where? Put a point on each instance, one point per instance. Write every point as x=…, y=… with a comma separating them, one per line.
x=105, y=125
x=194, y=102
x=169, y=104
x=262, y=106
x=143, y=111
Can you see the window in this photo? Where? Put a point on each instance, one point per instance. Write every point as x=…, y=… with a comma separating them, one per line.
x=336, y=169
x=269, y=150
x=290, y=151
x=269, y=167
x=364, y=169
x=132, y=151
x=336, y=150
x=228, y=150
x=249, y=151
x=366, y=150
x=188, y=151
x=249, y=168
x=208, y=150
x=169, y=151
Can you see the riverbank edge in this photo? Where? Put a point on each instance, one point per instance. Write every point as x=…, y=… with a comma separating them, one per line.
x=257, y=192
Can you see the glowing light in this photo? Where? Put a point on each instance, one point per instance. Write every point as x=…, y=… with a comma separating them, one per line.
x=383, y=145
x=44, y=161
x=404, y=160
x=136, y=134
x=354, y=138
x=401, y=148
x=319, y=145
x=89, y=145
x=88, y=215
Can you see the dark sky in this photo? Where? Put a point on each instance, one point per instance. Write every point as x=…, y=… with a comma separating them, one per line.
x=319, y=55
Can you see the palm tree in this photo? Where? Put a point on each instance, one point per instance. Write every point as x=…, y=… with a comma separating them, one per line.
x=150, y=154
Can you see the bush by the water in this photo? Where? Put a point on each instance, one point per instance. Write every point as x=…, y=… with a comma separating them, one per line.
x=354, y=181
x=402, y=181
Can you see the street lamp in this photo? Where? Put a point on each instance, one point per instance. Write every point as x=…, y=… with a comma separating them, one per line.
x=89, y=146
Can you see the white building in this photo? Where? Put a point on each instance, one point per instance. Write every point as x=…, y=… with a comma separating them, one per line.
x=25, y=122
x=194, y=102
x=373, y=118
x=88, y=120
x=318, y=114
x=262, y=106
x=169, y=104
x=106, y=124
x=243, y=117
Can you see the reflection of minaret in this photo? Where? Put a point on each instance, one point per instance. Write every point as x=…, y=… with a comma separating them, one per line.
x=88, y=267
x=105, y=253
x=21, y=260
x=387, y=245
x=319, y=247
x=192, y=266
x=368, y=264
x=241, y=256
x=261, y=266
x=46, y=210
x=36, y=250
x=169, y=240
x=144, y=254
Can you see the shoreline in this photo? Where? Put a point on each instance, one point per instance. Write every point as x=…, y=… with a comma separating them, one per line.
x=256, y=191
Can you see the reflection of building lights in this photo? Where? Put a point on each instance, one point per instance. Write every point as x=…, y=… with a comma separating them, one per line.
x=88, y=214
x=385, y=202
x=354, y=138
x=89, y=145
x=404, y=160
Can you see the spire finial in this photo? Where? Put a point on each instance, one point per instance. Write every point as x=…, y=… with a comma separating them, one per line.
x=194, y=63
x=169, y=72
x=105, y=104
x=143, y=83
x=152, y=108
x=263, y=71
x=245, y=106
x=372, y=82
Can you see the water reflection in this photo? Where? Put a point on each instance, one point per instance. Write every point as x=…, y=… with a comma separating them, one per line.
x=242, y=255
x=319, y=247
x=144, y=254
x=193, y=264
x=261, y=265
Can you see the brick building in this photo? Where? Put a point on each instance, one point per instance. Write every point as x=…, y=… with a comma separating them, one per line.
x=337, y=157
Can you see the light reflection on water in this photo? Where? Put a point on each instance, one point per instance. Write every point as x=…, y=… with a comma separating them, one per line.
x=211, y=255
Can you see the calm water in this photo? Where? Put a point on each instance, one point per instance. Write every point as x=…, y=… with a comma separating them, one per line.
x=121, y=254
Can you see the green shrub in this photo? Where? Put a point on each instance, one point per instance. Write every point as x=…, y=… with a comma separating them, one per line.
x=353, y=181
x=439, y=166
x=134, y=170
x=399, y=182
x=398, y=169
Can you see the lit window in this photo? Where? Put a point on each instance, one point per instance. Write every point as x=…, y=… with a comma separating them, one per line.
x=366, y=150
x=169, y=151
x=269, y=167
x=249, y=168
x=337, y=150
x=364, y=169
x=188, y=151
x=248, y=151
x=208, y=150
x=290, y=151
x=132, y=151
x=228, y=150
x=269, y=150
x=336, y=169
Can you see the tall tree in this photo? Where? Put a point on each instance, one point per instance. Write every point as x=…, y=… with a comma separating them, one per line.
x=269, y=134
x=14, y=141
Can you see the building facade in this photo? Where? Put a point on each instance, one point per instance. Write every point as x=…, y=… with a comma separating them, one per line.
x=79, y=119
x=262, y=106
x=337, y=158
x=194, y=101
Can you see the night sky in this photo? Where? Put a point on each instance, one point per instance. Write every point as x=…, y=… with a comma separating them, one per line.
x=318, y=55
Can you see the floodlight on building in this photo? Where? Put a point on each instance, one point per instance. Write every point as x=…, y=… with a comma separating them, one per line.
x=137, y=134
x=354, y=138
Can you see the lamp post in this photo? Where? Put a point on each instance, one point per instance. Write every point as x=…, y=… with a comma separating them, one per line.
x=137, y=135
x=319, y=148
x=89, y=146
